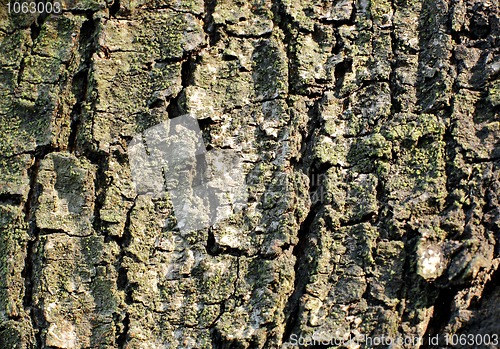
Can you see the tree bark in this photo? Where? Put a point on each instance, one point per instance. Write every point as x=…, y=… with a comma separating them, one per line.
x=369, y=133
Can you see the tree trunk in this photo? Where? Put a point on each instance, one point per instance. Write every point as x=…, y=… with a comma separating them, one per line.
x=369, y=138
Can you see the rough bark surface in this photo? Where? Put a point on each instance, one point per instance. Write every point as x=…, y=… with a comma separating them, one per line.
x=370, y=136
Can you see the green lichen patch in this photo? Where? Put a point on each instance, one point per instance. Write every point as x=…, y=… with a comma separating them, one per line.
x=387, y=280
x=14, y=179
x=13, y=242
x=305, y=12
x=36, y=101
x=314, y=60
x=12, y=48
x=338, y=278
x=126, y=97
x=17, y=334
x=75, y=5
x=27, y=121
x=271, y=82
x=365, y=150
x=146, y=222
x=228, y=86
x=352, y=194
x=59, y=37
x=154, y=35
x=475, y=126
x=41, y=70
x=76, y=287
x=255, y=70
x=132, y=7
x=151, y=330
x=31, y=110
x=381, y=12
x=10, y=22
x=245, y=18
x=367, y=107
x=420, y=183
x=494, y=93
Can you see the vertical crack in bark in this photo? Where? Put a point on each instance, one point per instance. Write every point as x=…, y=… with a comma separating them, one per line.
x=121, y=341
x=394, y=63
x=28, y=271
x=36, y=26
x=450, y=154
x=81, y=78
x=211, y=246
x=283, y=21
x=441, y=315
x=210, y=27
x=300, y=250
x=75, y=124
x=114, y=8
x=21, y=70
x=123, y=283
x=173, y=109
x=292, y=308
x=301, y=269
x=341, y=70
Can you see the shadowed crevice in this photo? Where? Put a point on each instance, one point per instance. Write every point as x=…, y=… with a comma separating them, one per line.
x=28, y=273
x=81, y=78
x=210, y=27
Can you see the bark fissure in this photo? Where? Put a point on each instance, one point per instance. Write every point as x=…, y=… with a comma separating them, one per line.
x=29, y=264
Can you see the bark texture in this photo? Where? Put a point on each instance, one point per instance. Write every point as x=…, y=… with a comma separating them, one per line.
x=369, y=131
